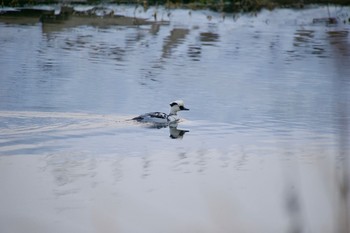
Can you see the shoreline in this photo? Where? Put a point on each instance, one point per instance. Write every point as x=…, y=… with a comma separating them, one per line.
x=217, y=6
x=104, y=14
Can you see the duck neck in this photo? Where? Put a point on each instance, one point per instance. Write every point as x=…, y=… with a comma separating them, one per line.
x=172, y=112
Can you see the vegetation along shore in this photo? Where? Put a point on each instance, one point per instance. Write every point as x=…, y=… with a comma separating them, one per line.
x=216, y=5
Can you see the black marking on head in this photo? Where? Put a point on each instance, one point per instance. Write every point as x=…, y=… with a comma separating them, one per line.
x=173, y=104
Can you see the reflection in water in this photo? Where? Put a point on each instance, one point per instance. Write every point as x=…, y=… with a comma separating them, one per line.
x=155, y=28
x=293, y=208
x=194, y=52
x=209, y=38
x=313, y=42
x=303, y=36
x=176, y=133
x=339, y=40
x=104, y=51
x=309, y=43
x=176, y=37
x=65, y=168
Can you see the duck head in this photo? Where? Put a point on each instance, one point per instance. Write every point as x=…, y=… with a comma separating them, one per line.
x=177, y=105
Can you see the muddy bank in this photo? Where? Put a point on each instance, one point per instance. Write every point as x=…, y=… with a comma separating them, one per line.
x=221, y=6
x=69, y=16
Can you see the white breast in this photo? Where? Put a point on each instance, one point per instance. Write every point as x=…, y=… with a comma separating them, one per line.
x=173, y=118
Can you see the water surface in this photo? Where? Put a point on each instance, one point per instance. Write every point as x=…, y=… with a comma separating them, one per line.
x=268, y=142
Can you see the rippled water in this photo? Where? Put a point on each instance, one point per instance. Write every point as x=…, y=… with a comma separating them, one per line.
x=268, y=131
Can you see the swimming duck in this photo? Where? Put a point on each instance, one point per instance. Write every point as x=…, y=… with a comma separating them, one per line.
x=163, y=118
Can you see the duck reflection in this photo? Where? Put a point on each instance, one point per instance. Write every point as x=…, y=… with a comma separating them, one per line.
x=176, y=133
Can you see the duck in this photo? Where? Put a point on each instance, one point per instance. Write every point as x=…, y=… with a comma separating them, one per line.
x=163, y=118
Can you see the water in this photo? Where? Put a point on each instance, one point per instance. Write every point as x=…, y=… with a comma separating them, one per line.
x=268, y=142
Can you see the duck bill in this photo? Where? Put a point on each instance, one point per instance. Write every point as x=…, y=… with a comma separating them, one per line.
x=184, y=109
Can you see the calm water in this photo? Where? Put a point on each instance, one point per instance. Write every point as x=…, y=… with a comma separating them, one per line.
x=268, y=142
